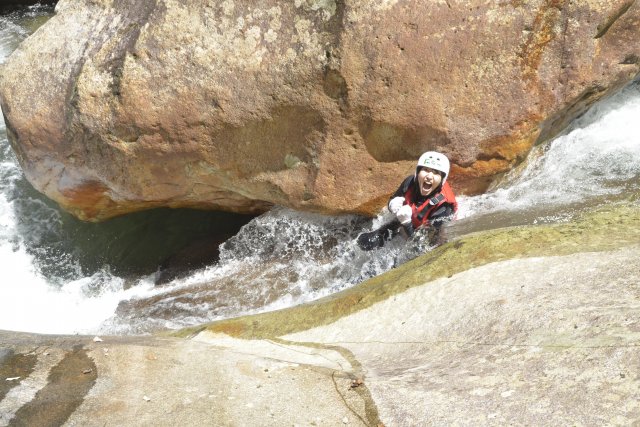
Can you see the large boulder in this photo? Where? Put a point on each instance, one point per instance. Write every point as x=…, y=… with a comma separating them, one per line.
x=320, y=105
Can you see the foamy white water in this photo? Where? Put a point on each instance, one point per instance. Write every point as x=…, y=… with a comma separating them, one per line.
x=30, y=303
x=28, y=300
x=598, y=156
x=277, y=260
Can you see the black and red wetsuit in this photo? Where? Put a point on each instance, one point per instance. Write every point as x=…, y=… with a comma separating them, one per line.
x=431, y=210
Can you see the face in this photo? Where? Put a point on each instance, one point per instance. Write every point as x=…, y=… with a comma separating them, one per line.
x=428, y=180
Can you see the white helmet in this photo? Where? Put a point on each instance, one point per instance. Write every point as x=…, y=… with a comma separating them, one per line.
x=434, y=160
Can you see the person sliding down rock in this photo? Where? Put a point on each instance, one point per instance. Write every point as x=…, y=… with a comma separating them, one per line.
x=424, y=199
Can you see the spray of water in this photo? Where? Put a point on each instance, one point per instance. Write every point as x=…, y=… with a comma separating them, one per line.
x=277, y=260
x=597, y=158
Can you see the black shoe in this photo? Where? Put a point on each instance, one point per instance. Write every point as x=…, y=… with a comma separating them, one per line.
x=371, y=240
x=377, y=238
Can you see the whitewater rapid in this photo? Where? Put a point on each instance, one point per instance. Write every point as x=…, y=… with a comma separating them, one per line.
x=598, y=157
x=281, y=258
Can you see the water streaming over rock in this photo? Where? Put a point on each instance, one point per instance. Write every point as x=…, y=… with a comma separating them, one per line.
x=595, y=161
x=63, y=276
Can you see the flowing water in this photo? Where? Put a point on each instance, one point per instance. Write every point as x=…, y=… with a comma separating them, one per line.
x=60, y=275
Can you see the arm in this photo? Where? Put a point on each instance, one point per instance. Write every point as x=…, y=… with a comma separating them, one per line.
x=443, y=214
x=436, y=219
x=404, y=186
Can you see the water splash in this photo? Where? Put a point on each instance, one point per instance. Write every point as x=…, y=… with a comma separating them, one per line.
x=277, y=260
x=596, y=159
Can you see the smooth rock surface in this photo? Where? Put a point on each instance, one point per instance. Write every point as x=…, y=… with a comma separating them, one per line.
x=119, y=106
x=169, y=382
x=534, y=341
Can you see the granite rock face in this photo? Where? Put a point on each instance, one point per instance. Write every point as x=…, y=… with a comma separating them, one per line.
x=318, y=105
x=504, y=344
